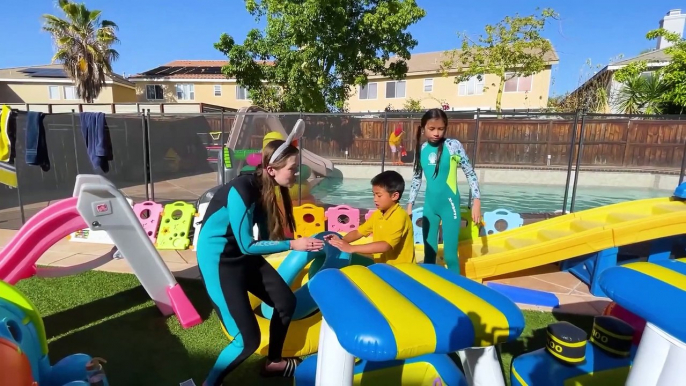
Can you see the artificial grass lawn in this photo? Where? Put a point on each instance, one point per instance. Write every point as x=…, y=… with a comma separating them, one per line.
x=110, y=315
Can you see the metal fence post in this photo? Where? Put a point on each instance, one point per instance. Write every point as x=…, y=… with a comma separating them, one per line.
x=73, y=132
x=146, y=158
x=149, y=145
x=683, y=165
x=475, y=152
x=578, y=159
x=383, y=141
x=300, y=166
x=569, y=161
x=220, y=159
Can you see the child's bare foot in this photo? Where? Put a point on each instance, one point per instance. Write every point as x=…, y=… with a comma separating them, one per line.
x=283, y=368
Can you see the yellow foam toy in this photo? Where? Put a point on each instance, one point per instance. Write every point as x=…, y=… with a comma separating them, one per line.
x=175, y=226
x=303, y=334
x=309, y=220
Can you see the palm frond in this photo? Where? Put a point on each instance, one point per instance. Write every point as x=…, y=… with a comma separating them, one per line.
x=83, y=46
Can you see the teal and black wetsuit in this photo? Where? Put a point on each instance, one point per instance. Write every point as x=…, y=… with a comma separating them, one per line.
x=442, y=200
x=231, y=265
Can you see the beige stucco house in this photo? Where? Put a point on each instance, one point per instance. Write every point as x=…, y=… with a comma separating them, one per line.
x=199, y=81
x=49, y=84
x=425, y=82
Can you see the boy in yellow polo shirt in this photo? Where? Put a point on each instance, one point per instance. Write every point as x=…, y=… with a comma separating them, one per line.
x=390, y=225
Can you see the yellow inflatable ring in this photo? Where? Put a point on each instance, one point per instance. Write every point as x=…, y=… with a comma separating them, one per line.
x=303, y=335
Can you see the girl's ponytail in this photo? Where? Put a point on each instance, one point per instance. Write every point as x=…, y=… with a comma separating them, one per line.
x=417, y=152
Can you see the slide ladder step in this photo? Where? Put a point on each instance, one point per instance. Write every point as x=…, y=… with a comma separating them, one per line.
x=622, y=217
x=668, y=208
x=585, y=225
x=520, y=243
x=552, y=234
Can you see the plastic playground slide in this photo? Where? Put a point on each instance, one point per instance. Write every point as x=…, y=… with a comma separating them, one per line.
x=97, y=205
x=240, y=139
x=573, y=235
x=18, y=258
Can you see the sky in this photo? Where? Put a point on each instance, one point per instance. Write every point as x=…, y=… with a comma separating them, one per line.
x=154, y=32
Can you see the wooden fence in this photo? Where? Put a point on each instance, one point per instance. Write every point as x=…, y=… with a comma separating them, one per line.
x=534, y=142
x=606, y=142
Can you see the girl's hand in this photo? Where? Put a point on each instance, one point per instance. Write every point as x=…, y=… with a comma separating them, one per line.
x=409, y=209
x=476, y=211
x=307, y=244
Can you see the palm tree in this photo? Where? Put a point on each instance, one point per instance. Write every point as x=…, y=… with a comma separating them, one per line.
x=642, y=95
x=83, y=42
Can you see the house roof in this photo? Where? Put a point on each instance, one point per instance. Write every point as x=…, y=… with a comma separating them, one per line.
x=48, y=72
x=188, y=69
x=431, y=61
x=651, y=57
x=655, y=56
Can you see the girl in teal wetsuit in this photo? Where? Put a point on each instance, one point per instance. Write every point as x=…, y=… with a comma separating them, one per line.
x=440, y=157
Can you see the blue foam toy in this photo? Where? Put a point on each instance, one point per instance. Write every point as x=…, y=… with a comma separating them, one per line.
x=295, y=262
x=645, y=289
x=526, y=295
x=417, y=214
x=513, y=220
x=540, y=368
x=680, y=191
x=390, y=372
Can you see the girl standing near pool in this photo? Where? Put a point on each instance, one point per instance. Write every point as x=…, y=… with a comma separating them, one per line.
x=231, y=262
x=440, y=157
x=394, y=141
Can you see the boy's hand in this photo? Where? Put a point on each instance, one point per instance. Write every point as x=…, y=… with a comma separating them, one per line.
x=331, y=237
x=341, y=245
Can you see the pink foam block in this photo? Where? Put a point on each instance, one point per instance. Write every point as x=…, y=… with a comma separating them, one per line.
x=369, y=214
x=342, y=218
x=183, y=308
x=152, y=212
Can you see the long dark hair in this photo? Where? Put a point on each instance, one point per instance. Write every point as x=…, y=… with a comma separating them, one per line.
x=429, y=115
x=275, y=218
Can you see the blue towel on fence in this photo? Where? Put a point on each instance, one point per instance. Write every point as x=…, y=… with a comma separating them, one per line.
x=96, y=134
x=36, y=143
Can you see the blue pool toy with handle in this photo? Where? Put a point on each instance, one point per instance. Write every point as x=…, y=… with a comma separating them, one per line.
x=570, y=359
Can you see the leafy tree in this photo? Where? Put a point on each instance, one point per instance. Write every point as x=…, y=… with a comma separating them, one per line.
x=83, y=44
x=413, y=105
x=514, y=46
x=314, y=51
x=664, y=91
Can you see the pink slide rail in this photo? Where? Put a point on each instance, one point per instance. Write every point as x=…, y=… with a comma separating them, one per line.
x=57, y=221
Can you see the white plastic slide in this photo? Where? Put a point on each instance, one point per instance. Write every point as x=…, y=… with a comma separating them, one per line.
x=240, y=139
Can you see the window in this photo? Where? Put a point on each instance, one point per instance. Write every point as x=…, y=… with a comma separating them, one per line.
x=154, y=92
x=185, y=92
x=242, y=93
x=368, y=91
x=54, y=92
x=518, y=83
x=471, y=86
x=217, y=90
x=646, y=75
x=395, y=89
x=70, y=93
x=428, y=85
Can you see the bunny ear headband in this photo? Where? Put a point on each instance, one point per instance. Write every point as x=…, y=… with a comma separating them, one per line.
x=296, y=134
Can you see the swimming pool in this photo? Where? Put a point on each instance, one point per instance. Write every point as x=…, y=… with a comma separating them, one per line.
x=516, y=198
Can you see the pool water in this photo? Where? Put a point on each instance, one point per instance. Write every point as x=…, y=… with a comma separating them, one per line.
x=516, y=198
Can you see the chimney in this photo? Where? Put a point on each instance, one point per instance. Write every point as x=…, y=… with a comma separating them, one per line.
x=674, y=21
